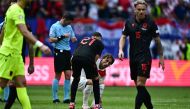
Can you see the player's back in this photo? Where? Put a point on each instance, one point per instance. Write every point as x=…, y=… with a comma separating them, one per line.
x=89, y=48
x=13, y=39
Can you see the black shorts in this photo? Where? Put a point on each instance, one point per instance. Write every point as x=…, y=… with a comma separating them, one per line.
x=62, y=60
x=140, y=69
x=89, y=67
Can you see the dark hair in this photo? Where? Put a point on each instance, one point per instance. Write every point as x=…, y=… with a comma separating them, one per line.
x=68, y=17
x=97, y=34
x=109, y=56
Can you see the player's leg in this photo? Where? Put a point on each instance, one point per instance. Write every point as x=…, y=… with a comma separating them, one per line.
x=102, y=86
x=58, y=72
x=3, y=83
x=5, y=71
x=66, y=86
x=22, y=92
x=65, y=57
x=76, y=78
x=91, y=73
x=86, y=94
x=140, y=92
x=143, y=96
x=55, y=87
x=12, y=97
x=20, y=82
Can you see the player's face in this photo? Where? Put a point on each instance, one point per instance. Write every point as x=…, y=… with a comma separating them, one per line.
x=140, y=11
x=105, y=62
x=66, y=22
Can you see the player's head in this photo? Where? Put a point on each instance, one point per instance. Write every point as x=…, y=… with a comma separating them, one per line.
x=140, y=9
x=97, y=35
x=12, y=2
x=26, y=3
x=106, y=61
x=66, y=19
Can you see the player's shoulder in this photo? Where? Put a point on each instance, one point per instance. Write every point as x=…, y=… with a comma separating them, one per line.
x=69, y=26
x=55, y=25
x=150, y=20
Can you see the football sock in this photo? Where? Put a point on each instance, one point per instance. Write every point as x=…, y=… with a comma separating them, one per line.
x=6, y=93
x=86, y=94
x=74, y=88
x=23, y=98
x=96, y=90
x=55, y=86
x=139, y=97
x=11, y=98
x=147, y=99
x=66, y=88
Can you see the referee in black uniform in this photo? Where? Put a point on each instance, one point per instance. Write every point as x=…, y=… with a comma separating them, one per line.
x=85, y=56
x=141, y=30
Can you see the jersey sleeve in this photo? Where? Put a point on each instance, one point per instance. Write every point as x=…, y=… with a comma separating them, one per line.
x=125, y=29
x=52, y=32
x=18, y=16
x=154, y=29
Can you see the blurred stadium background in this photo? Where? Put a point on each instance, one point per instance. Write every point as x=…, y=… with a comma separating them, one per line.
x=171, y=88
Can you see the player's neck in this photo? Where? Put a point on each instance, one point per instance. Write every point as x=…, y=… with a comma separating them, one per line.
x=139, y=20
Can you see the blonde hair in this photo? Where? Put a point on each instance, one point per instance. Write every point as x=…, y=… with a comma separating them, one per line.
x=140, y=2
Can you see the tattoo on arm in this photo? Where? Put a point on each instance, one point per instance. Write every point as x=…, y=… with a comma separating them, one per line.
x=159, y=46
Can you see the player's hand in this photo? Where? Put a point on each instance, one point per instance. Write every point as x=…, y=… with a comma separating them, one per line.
x=45, y=49
x=121, y=55
x=31, y=69
x=66, y=35
x=161, y=63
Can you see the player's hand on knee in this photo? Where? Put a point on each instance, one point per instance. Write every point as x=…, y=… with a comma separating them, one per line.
x=45, y=49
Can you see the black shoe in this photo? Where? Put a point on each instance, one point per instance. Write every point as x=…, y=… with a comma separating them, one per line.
x=56, y=101
x=66, y=101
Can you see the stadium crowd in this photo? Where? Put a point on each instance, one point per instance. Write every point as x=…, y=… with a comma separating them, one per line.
x=43, y=12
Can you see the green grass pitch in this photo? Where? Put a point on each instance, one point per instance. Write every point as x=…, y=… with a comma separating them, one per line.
x=113, y=98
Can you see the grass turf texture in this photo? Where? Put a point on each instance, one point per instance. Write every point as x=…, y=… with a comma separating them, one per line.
x=113, y=98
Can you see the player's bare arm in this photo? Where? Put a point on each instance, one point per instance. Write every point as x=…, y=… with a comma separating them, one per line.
x=160, y=51
x=28, y=35
x=97, y=57
x=121, y=46
x=56, y=39
x=31, y=56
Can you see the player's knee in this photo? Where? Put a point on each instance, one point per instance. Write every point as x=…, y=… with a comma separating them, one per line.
x=21, y=82
x=67, y=74
x=140, y=83
x=3, y=83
